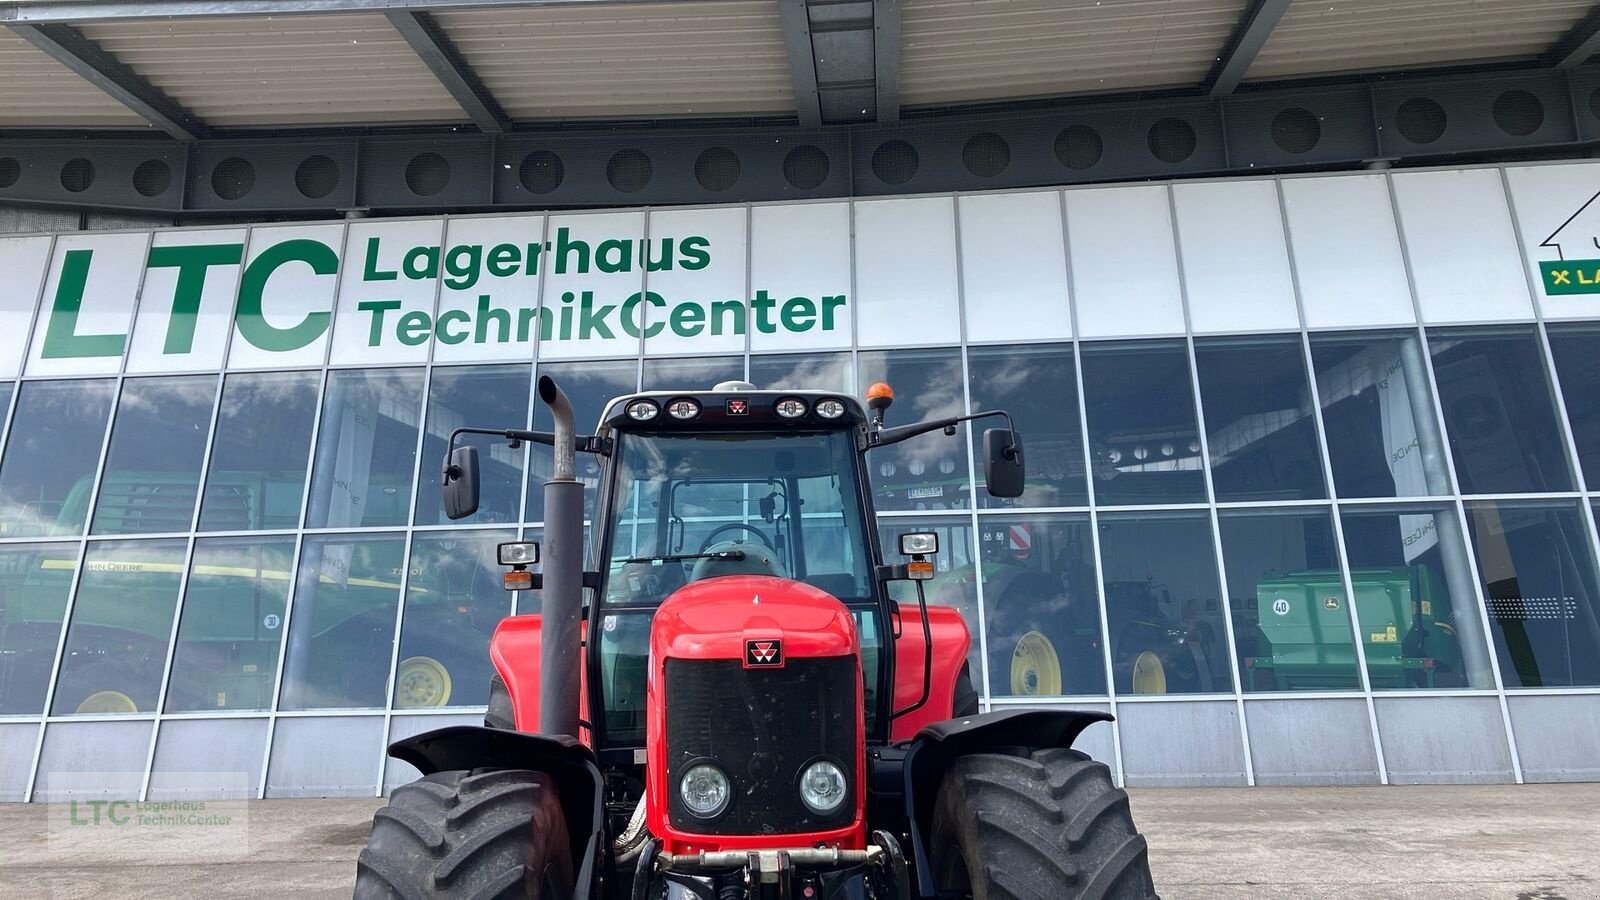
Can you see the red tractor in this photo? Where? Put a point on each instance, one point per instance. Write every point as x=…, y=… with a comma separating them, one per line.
x=742, y=702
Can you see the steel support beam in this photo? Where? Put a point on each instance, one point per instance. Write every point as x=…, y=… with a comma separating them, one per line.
x=886, y=58
x=1283, y=127
x=440, y=55
x=1578, y=44
x=795, y=21
x=69, y=47
x=1247, y=40
x=80, y=11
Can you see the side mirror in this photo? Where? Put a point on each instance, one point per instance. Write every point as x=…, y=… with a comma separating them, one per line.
x=1003, y=470
x=461, y=482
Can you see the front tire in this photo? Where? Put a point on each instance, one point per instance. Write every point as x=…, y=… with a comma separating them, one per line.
x=1043, y=825
x=485, y=835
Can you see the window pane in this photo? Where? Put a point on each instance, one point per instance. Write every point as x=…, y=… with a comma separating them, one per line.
x=232, y=624
x=1577, y=354
x=341, y=628
x=117, y=639
x=47, y=472
x=1537, y=568
x=1499, y=412
x=1377, y=411
x=928, y=471
x=486, y=397
x=1414, y=599
x=1041, y=606
x=589, y=386
x=259, y=457
x=701, y=374
x=1259, y=425
x=1168, y=634
x=1039, y=387
x=158, y=442
x=802, y=372
x=1142, y=432
x=34, y=582
x=366, y=449
x=453, y=604
x=955, y=581
x=1291, y=622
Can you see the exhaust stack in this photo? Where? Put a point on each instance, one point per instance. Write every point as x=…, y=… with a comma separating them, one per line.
x=562, y=604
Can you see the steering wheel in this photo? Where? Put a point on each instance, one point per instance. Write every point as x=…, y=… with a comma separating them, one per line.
x=735, y=526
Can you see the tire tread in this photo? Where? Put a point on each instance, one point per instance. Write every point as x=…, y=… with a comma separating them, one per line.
x=1039, y=825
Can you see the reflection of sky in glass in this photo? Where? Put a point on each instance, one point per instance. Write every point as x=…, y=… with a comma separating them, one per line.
x=50, y=456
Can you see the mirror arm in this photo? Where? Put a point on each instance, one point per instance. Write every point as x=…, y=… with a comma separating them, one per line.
x=583, y=443
x=883, y=437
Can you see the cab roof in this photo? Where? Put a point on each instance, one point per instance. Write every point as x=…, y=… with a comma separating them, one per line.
x=732, y=407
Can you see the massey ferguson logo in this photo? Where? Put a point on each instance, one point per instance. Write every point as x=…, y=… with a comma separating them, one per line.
x=763, y=654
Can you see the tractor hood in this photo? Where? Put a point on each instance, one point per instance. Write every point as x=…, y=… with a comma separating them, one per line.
x=716, y=617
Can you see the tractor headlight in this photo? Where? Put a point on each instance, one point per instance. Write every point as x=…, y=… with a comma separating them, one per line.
x=705, y=791
x=790, y=407
x=830, y=408
x=683, y=409
x=822, y=787
x=643, y=410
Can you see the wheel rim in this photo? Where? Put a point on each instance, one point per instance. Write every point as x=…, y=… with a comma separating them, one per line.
x=101, y=702
x=1149, y=675
x=1035, y=667
x=421, y=681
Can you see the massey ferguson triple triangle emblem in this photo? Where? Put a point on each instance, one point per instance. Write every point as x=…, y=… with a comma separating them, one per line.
x=763, y=654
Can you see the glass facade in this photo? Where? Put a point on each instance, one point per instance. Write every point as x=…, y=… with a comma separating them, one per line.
x=318, y=578
x=1246, y=527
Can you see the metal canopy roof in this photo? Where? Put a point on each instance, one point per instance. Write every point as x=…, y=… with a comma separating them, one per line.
x=199, y=68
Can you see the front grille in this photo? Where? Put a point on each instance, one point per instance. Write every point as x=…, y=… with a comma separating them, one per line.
x=763, y=727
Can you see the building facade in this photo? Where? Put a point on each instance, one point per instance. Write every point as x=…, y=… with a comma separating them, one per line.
x=1308, y=497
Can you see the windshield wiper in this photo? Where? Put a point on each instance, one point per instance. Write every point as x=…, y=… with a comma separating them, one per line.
x=680, y=557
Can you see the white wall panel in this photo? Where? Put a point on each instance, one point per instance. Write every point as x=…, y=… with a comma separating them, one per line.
x=1423, y=740
x=1235, y=259
x=83, y=324
x=1014, y=267
x=483, y=316
x=804, y=247
x=707, y=254
x=906, y=272
x=167, y=339
x=1124, y=266
x=302, y=764
x=1462, y=247
x=594, y=262
x=92, y=761
x=1347, y=251
x=391, y=269
x=1560, y=221
x=294, y=288
x=23, y=260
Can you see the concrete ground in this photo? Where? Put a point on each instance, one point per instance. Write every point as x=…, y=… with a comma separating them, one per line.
x=1535, y=842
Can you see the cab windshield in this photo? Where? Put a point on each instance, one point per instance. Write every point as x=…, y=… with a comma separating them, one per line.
x=690, y=507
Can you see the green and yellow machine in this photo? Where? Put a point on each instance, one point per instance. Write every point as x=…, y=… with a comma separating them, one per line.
x=1407, y=624
x=234, y=613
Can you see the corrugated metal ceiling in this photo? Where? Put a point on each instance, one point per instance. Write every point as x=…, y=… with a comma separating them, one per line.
x=670, y=59
x=309, y=70
x=37, y=91
x=972, y=50
x=1332, y=36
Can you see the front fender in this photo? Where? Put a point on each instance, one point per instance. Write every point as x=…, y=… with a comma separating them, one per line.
x=570, y=764
x=936, y=746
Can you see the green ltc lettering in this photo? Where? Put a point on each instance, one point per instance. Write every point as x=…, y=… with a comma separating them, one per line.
x=61, y=338
x=191, y=263
x=252, y=325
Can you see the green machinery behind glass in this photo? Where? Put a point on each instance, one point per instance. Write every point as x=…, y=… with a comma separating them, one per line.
x=1408, y=631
